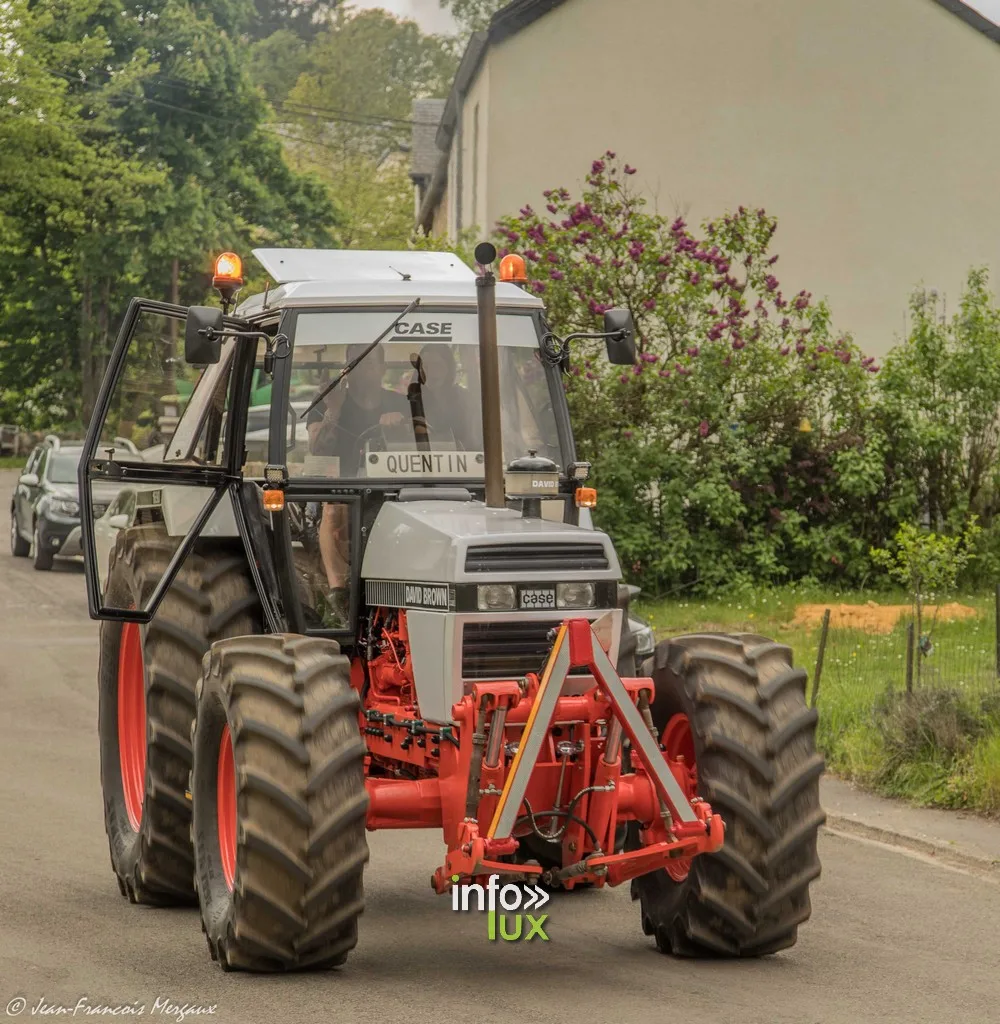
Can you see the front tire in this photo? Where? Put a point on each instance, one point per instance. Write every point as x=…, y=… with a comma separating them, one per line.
x=19, y=547
x=737, y=707
x=41, y=556
x=147, y=702
x=280, y=804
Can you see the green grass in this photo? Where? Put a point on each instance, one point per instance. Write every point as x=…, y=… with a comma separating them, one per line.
x=940, y=747
x=13, y=461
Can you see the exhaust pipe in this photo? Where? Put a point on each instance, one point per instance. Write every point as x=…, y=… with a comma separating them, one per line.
x=489, y=376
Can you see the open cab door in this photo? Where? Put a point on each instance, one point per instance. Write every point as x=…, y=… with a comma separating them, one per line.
x=160, y=454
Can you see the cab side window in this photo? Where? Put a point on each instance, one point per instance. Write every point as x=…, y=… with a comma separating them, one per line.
x=42, y=463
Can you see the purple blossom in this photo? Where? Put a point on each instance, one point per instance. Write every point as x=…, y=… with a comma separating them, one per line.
x=624, y=378
x=785, y=349
x=552, y=208
x=693, y=351
x=703, y=428
x=844, y=357
x=785, y=324
x=821, y=348
x=802, y=301
x=771, y=283
x=695, y=277
x=648, y=357
x=771, y=262
x=531, y=254
x=526, y=212
x=552, y=257
x=800, y=347
x=738, y=343
x=598, y=308
x=556, y=275
x=715, y=331
x=538, y=287
x=610, y=154
x=512, y=236
x=617, y=263
x=636, y=249
x=547, y=193
x=597, y=167
x=665, y=260
x=595, y=260
x=678, y=226
x=627, y=434
x=650, y=304
x=637, y=369
x=590, y=376
x=665, y=374
x=576, y=371
x=629, y=170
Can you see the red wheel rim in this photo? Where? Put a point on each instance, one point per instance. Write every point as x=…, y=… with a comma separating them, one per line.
x=132, y=721
x=226, y=808
x=678, y=748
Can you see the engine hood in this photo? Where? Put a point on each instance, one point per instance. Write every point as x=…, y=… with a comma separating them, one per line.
x=431, y=541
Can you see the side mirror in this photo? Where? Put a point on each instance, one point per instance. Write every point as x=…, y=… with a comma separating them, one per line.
x=619, y=325
x=30, y=480
x=202, y=344
x=118, y=522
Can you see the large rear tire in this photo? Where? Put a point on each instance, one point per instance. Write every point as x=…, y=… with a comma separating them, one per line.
x=147, y=703
x=279, y=804
x=737, y=707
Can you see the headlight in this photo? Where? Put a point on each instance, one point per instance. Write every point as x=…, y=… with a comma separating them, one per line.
x=65, y=507
x=576, y=595
x=496, y=597
x=645, y=641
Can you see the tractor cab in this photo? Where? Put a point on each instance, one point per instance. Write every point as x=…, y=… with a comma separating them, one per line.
x=352, y=381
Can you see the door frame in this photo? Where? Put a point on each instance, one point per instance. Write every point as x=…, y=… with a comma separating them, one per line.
x=220, y=478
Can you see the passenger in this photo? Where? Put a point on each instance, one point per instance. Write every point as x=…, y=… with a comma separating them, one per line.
x=447, y=409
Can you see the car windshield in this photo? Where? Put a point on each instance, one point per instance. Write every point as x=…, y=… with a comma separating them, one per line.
x=63, y=467
x=412, y=407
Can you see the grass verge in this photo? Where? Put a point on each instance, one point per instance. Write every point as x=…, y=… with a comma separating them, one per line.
x=938, y=745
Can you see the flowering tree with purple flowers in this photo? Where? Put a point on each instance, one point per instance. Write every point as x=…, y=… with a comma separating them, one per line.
x=738, y=445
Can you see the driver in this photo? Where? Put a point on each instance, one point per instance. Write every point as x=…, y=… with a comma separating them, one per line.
x=358, y=404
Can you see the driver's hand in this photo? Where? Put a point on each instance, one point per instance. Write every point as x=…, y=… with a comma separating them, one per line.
x=390, y=419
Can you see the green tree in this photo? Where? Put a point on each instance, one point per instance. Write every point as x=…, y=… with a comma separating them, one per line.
x=348, y=118
x=161, y=154
x=304, y=18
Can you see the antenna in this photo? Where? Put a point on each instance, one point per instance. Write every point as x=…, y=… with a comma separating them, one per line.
x=405, y=277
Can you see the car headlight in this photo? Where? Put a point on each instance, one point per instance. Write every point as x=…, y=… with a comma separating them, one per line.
x=645, y=641
x=65, y=507
x=576, y=595
x=496, y=597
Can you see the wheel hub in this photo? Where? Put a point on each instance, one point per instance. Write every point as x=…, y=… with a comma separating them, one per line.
x=132, y=721
x=677, y=741
x=226, y=808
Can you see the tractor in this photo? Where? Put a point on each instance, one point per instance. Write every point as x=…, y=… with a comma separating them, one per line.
x=393, y=610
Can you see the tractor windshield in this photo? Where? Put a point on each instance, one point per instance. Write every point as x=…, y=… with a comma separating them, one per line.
x=412, y=409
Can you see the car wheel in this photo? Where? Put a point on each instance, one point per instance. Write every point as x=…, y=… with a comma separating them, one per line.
x=41, y=557
x=19, y=547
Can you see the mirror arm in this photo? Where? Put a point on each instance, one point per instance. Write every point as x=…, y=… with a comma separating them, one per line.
x=277, y=346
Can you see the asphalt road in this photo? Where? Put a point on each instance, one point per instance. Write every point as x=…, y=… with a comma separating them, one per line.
x=892, y=938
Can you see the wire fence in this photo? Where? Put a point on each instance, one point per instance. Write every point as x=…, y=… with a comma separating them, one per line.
x=862, y=660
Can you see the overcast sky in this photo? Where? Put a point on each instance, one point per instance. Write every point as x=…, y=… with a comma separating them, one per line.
x=427, y=13
x=432, y=19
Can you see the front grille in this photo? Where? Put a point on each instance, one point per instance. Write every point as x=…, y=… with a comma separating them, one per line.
x=536, y=558
x=506, y=650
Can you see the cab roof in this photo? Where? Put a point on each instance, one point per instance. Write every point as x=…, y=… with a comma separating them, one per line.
x=350, y=277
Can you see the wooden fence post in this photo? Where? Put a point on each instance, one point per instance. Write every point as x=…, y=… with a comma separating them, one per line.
x=819, y=656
